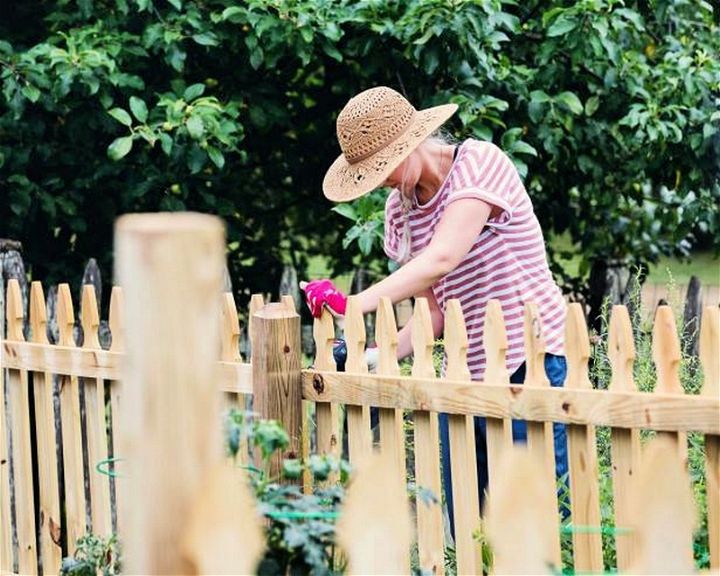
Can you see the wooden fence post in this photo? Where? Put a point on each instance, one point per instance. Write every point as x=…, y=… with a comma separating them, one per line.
x=170, y=267
x=277, y=385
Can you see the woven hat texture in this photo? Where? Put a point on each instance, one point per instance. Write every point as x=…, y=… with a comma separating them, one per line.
x=377, y=130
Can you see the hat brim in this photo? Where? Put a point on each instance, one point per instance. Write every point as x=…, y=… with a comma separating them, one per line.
x=344, y=181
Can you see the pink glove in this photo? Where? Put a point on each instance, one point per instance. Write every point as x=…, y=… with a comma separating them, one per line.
x=319, y=293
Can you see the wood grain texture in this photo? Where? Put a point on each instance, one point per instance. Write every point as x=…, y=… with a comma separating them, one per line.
x=358, y=417
x=326, y=413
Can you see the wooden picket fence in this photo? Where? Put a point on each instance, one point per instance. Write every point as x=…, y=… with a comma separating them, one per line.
x=178, y=507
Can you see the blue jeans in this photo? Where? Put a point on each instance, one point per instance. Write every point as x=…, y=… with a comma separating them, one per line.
x=556, y=370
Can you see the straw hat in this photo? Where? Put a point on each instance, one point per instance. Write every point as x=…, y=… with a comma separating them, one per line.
x=377, y=130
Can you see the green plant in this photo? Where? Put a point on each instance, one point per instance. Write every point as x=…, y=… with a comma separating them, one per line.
x=93, y=555
x=300, y=528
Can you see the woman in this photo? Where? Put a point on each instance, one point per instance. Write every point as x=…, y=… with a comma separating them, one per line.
x=461, y=224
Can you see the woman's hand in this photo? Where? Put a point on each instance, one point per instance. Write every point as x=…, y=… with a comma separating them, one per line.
x=320, y=293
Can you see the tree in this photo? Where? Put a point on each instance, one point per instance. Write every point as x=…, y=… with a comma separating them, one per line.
x=609, y=109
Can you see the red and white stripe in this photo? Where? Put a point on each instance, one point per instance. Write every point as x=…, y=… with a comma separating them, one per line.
x=508, y=260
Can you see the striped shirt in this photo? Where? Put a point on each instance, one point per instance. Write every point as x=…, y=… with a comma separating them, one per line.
x=507, y=261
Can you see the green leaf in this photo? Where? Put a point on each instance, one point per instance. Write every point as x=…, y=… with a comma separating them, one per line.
x=120, y=147
x=121, y=116
x=193, y=91
x=571, y=101
x=591, y=106
x=166, y=143
x=206, y=39
x=292, y=468
x=177, y=4
x=562, y=25
x=195, y=127
x=216, y=156
x=139, y=108
x=347, y=210
x=31, y=92
x=521, y=147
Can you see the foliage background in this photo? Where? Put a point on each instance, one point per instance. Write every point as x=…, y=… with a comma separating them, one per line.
x=610, y=109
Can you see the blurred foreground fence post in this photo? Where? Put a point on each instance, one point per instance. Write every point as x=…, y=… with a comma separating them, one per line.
x=170, y=267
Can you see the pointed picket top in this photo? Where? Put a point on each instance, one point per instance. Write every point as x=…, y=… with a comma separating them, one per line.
x=666, y=352
x=288, y=301
x=90, y=318
x=577, y=348
x=386, y=336
x=355, y=337
x=230, y=331
x=662, y=501
x=324, y=336
x=534, y=347
x=710, y=351
x=257, y=302
x=374, y=528
x=496, y=344
x=621, y=351
x=456, y=342
x=520, y=517
x=65, y=316
x=115, y=320
x=423, y=340
x=14, y=312
x=38, y=313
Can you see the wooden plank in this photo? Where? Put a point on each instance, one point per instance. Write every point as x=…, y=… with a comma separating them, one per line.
x=664, y=511
x=6, y=546
x=710, y=361
x=358, y=417
x=75, y=512
x=170, y=267
x=374, y=528
x=276, y=376
x=499, y=430
x=392, y=432
x=427, y=449
x=625, y=444
x=582, y=448
x=96, y=434
x=326, y=414
x=463, y=460
x=521, y=516
x=667, y=355
x=117, y=330
x=597, y=407
x=540, y=436
x=48, y=481
x=19, y=405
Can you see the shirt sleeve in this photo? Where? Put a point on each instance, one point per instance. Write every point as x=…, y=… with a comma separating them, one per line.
x=485, y=172
x=393, y=226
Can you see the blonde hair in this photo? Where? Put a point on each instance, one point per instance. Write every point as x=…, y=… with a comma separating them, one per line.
x=441, y=137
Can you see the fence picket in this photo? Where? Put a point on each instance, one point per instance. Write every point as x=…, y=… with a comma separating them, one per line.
x=374, y=528
x=97, y=441
x=49, y=492
x=521, y=516
x=117, y=344
x=625, y=444
x=427, y=449
x=710, y=361
x=582, y=448
x=326, y=413
x=466, y=503
x=230, y=352
x=499, y=430
x=667, y=354
x=539, y=434
x=19, y=403
x=6, y=546
x=664, y=511
x=358, y=417
x=392, y=432
x=71, y=428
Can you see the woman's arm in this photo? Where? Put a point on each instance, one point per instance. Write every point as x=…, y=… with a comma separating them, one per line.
x=454, y=236
x=437, y=318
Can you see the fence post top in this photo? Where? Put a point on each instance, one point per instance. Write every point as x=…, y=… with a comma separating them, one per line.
x=167, y=223
x=275, y=311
